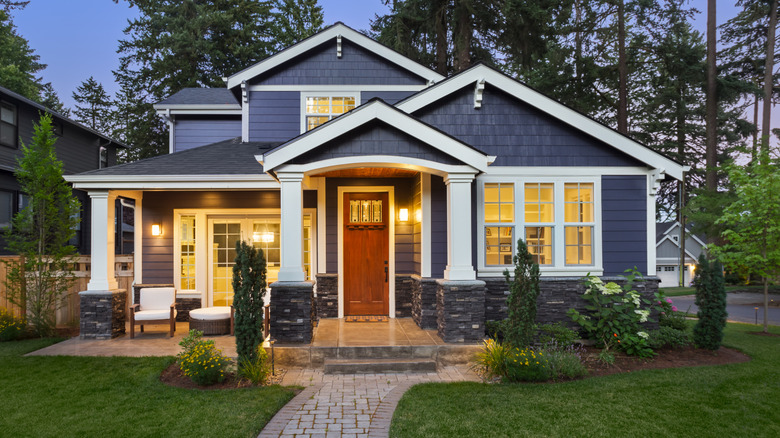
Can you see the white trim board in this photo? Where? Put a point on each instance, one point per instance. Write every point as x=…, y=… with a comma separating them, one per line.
x=325, y=36
x=337, y=88
x=546, y=105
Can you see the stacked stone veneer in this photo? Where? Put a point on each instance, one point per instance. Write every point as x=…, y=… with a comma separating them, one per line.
x=424, y=302
x=292, y=311
x=460, y=310
x=404, y=289
x=102, y=314
x=327, y=296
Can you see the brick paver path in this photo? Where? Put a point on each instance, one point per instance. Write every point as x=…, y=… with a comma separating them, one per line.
x=348, y=405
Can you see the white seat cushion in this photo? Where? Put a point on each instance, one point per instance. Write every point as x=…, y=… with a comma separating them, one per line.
x=157, y=298
x=149, y=315
x=210, y=313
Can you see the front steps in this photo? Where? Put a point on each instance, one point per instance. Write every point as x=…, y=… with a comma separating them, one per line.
x=378, y=366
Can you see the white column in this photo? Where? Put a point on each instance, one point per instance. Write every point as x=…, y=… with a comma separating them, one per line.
x=459, y=206
x=291, y=268
x=103, y=232
x=138, y=239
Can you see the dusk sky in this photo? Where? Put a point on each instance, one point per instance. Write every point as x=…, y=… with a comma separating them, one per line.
x=78, y=38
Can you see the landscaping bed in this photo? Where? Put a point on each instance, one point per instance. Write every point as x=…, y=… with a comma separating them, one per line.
x=172, y=376
x=666, y=358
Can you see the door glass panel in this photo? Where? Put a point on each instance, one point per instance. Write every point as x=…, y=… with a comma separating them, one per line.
x=225, y=232
x=265, y=236
x=187, y=232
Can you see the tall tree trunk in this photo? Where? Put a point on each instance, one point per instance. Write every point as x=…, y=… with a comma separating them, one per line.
x=622, y=110
x=578, y=46
x=440, y=15
x=462, y=34
x=754, y=151
x=681, y=183
x=769, y=67
x=711, y=116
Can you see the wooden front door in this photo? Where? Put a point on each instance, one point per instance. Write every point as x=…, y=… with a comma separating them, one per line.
x=366, y=254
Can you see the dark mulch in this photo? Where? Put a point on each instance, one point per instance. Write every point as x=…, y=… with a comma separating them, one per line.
x=172, y=376
x=771, y=335
x=684, y=357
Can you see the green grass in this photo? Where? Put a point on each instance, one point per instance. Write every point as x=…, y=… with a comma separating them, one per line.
x=679, y=291
x=119, y=397
x=715, y=401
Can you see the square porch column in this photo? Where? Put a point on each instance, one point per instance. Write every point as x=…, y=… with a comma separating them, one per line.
x=459, y=207
x=291, y=266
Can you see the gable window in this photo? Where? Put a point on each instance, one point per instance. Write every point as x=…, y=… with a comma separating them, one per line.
x=499, y=223
x=8, y=125
x=318, y=109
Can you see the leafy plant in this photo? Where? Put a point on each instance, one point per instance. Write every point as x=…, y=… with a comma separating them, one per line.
x=201, y=361
x=256, y=372
x=523, y=293
x=249, y=283
x=495, y=329
x=669, y=316
x=491, y=360
x=11, y=327
x=566, y=363
x=614, y=315
x=668, y=337
x=606, y=357
x=711, y=300
x=526, y=365
x=556, y=336
x=40, y=233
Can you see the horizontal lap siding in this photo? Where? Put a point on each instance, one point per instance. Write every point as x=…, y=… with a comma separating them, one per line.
x=274, y=116
x=417, y=206
x=193, y=133
x=624, y=223
x=518, y=134
x=356, y=66
x=438, y=226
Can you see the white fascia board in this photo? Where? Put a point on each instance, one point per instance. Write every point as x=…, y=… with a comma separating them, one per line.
x=207, y=112
x=179, y=107
x=548, y=106
x=375, y=111
x=382, y=161
x=337, y=88
x=172, y=182
x=514, y=171
x=324, y=37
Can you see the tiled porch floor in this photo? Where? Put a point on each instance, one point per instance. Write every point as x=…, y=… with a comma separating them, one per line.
x=332, y=332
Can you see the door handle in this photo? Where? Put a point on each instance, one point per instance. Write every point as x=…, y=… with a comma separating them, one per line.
x=386, y=273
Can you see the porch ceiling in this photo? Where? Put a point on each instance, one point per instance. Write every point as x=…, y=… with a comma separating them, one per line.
x=369, y=172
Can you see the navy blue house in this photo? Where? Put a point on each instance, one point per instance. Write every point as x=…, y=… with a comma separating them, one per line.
x=376, y=186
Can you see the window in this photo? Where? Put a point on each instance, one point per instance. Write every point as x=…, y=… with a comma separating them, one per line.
x=499, y=223
x=669, y=268
x=8, y=125
x=659, y=268
x=103, y=158
x=6, y=209
x=187, y=242
x=578, y=212
x=320, y=109
x=540, y=221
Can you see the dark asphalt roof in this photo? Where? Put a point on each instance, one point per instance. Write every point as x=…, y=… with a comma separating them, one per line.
x=229, y=157
x=201, y=96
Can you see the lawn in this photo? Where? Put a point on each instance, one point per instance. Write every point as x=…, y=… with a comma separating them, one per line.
x=119, y=396
x=678, y=291
x=717, y=401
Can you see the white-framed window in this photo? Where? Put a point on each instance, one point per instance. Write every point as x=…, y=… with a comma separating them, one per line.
x=556, y=216
x=318, y=108
x=9, y=125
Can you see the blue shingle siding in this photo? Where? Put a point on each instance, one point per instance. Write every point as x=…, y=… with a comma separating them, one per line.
x=391, y=97
x=193, y=133
x=274, y=115
x=375, y=138
x=624, y=223
x=438, y=226
x=321, y=66
x=517, y=133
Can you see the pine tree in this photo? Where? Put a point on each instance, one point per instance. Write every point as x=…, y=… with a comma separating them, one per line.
x=295, y=20
x=523, y=293
x=249, y=283
x=711, y=301
x=93, y=105
x=19, y=64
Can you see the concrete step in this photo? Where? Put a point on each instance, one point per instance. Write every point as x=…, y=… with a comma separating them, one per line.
x=371, y=366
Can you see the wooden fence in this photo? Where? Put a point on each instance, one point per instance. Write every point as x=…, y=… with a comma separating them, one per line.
x=68, y=314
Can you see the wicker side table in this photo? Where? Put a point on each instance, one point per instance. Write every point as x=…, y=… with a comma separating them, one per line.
x=212, y=320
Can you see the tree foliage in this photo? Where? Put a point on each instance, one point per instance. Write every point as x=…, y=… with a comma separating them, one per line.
x=295, y=20
x=711, y=301
x=40, y=232
x=93, y=105
x=520, y=324
x=249, y=283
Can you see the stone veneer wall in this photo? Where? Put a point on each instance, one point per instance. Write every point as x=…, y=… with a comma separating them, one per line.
x=292, y=311
x=102, y=314
x=327, y=296
x=404, y=289
x=423, y=302
x=460, y=310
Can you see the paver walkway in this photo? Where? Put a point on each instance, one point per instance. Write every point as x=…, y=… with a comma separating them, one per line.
x=348, y=405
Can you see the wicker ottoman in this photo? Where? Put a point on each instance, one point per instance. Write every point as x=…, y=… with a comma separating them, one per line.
x=212, y=320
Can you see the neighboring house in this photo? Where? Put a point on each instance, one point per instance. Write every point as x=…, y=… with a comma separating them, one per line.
x=667, y=251
x=79, y=148
x=382, y=186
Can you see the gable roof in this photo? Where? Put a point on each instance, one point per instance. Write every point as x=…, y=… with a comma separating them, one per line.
x=330, y=33
x=545, y=104
x=59, y=116
x=663, y=230
x=200, y=96
x=375, y=109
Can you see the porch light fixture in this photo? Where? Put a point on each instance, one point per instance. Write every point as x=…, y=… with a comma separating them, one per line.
x=403, y=214
x=157, y=230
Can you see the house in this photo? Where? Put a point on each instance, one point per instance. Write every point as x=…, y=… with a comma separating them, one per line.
x=667, y=249
x=78, y=147
x=376, y=186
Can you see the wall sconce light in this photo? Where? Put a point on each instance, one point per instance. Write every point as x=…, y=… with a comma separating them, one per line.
x=403, y=214
x=157, y=230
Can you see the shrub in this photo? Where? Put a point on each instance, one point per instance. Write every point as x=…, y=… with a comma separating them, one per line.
x=669, y=316
x=201, y=361
x=614, y=315
x=523, y=293
x=711, y=300
x=257, y=371
x=526, y=365
x=556, y=336
x=668, y=337
x=566, y=363
x=492, y=359
x=249, y=282
x=11, y=327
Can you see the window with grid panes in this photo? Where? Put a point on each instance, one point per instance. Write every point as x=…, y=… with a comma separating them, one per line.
x=540, y=221
x=499, y=223
x=578, y=223
x=320, y=109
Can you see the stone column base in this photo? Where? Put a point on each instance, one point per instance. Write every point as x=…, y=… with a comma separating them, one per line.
x=292, y=313
x=102, y=314
x=327, y=296
x=460, y=310
x=424, y=302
